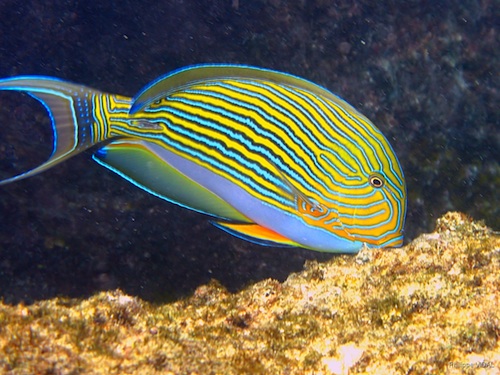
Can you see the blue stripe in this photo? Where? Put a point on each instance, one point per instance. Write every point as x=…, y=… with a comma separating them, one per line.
x=279, y=125
x=250, y=124
x=382, y=147
x=292, y=136
x=214, y=162
x=295, y=104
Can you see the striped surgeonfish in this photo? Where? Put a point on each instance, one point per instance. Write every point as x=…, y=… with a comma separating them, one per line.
x=274, y=158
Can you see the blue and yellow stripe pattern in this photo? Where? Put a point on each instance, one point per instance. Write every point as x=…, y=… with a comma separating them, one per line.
x=275, y=158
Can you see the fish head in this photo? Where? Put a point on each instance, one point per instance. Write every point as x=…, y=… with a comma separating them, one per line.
x=373, y=211
x=365, y=199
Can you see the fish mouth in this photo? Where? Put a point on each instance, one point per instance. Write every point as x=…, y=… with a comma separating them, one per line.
x=394, y=242
x=372, y=232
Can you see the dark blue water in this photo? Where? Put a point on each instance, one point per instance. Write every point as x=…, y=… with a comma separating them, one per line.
x=426, y=73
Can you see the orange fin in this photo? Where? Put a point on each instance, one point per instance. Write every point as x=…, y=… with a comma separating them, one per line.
x=256, y=234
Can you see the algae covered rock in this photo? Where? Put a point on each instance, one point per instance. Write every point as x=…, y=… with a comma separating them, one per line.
x=429, y=307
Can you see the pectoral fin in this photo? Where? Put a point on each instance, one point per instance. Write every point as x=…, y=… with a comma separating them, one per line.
x=256, y=234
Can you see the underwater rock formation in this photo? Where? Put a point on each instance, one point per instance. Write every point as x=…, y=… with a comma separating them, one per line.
x=429, y=307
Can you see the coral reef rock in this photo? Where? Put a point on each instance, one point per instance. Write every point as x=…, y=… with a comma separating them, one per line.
x=429, y=307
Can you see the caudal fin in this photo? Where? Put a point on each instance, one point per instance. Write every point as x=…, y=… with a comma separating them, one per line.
x=79, y=115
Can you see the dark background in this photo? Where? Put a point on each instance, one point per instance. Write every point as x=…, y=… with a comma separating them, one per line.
x=425, y=72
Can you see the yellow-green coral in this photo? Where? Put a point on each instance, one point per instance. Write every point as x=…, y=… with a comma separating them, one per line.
x=430, y=307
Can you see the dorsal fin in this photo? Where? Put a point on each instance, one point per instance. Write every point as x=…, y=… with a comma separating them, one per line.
x=180, y=78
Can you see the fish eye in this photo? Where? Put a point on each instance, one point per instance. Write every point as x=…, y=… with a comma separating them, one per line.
x=376, y=181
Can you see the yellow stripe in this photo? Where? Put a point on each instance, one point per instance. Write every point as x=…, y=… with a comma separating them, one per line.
x=350, y=202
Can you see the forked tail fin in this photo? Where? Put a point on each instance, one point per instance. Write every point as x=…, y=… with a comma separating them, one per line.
x=80, y=116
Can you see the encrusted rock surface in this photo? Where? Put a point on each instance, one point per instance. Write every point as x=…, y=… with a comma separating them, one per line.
x=429, y=307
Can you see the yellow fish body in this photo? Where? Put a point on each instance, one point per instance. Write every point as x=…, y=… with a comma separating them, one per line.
x=274, y=158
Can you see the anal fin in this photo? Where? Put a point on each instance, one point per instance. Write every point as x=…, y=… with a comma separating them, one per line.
x=136, y=161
